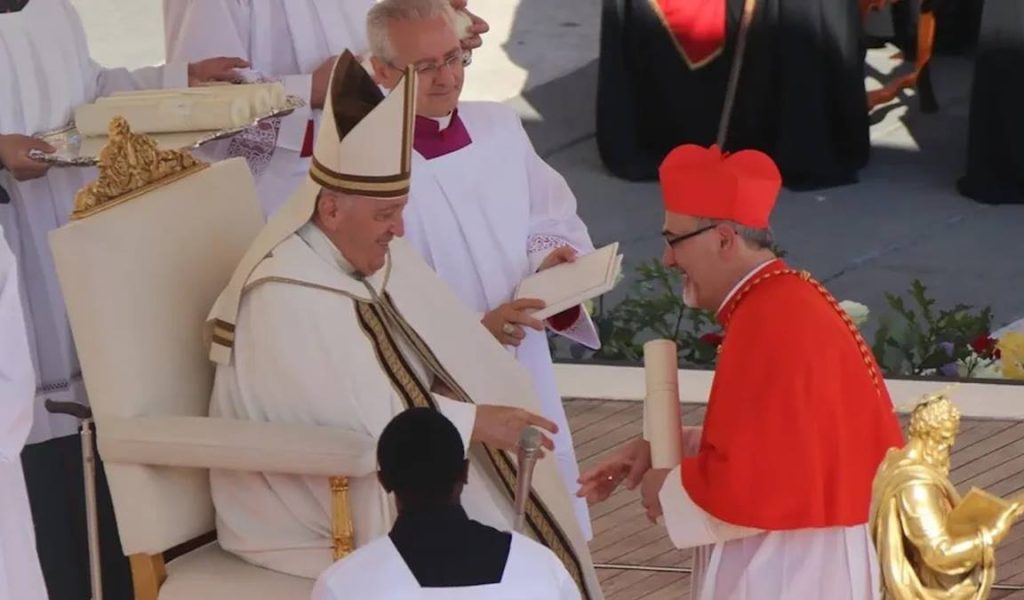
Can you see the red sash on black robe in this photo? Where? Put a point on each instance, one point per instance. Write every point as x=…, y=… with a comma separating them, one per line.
x=697, y=26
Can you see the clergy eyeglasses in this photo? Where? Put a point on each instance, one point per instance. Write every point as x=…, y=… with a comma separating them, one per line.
x=431, y=69
x=671, y=239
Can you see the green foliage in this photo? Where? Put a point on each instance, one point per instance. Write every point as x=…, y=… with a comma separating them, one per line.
x=917, y=338
x=653, y=309
x=914, y=337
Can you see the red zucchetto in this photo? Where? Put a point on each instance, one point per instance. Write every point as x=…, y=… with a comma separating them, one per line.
x=705, y=182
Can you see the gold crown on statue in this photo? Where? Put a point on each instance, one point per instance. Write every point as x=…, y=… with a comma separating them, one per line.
x=131, y=164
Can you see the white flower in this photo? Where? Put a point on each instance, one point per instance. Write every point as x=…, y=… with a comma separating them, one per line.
x=857, y=311
x=977, y=367
x=988, y=370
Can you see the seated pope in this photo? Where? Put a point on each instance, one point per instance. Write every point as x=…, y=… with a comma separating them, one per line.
x=332, y=319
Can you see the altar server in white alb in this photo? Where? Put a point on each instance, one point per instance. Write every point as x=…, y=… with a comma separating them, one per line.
x=20, y=576
x=485, y=211
x=293, y=41
x=434, y=549
x=45, y=72
x=332, y=319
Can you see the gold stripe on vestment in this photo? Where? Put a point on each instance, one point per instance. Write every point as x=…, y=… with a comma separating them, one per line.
x=383, y=187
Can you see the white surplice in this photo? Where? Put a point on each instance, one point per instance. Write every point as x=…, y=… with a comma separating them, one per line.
x=484, y=217
x=45, y=72
x=284, y=40
x=739, y=563
x=301, y=355
x=20, y=576
x=378, y=572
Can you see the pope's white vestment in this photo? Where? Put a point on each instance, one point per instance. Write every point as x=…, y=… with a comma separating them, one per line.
x=282, y=40
x=45, y=72
x=378, y=572
x=20, y=576
x=307, y=351
x=484, y=216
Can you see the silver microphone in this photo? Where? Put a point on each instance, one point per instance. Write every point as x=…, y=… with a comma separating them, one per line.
x=529, y=449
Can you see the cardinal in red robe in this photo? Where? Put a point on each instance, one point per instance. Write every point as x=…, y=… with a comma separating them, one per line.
x=774, y=490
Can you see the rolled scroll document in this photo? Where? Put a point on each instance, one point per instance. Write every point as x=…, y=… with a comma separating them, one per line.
x=264, y=97
x=167, y=115
x=663, y=426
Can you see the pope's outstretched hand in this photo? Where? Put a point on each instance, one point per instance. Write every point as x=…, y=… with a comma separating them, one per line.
x=628, y=465
x=501, y=426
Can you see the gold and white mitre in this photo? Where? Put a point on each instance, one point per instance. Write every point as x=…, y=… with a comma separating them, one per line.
x=363, y=148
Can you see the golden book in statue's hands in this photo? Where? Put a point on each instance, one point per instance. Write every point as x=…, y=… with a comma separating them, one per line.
x=980, y=509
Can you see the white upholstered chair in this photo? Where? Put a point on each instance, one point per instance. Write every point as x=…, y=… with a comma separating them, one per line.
x=139, y=278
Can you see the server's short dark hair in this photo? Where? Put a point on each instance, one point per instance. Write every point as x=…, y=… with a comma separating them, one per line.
x=421, y=455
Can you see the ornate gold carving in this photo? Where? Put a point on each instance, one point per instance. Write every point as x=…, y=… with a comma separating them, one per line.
x=130, y=165
x=931, y=543
x=342, y=534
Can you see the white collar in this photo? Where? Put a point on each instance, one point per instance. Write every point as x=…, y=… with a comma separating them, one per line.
x=740, y=283
x=442, y=122
x=324, y=247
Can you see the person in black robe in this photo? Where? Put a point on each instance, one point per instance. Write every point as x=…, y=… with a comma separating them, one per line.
x=995, y=139
x=800, y=98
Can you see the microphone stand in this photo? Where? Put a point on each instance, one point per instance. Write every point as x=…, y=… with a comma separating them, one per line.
x=526, y=454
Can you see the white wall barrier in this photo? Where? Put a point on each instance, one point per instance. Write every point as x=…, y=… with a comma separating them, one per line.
x=992, y=399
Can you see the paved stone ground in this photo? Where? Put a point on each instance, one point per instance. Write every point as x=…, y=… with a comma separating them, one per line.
x=904, y=220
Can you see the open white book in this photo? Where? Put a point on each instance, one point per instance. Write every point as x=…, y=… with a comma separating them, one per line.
x=566, y=285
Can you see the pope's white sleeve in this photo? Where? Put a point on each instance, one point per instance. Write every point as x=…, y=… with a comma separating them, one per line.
x=689, y=525
x=461, y=414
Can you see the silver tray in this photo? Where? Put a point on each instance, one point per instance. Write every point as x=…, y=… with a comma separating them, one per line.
x=68, y=141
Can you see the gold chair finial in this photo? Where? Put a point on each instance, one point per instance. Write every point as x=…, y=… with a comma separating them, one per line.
x=129, y=165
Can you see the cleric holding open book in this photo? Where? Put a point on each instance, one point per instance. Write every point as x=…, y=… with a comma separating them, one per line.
x=774, y=491
x=485, y=211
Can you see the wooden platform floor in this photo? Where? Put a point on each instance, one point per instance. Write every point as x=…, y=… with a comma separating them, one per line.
x=988, y=454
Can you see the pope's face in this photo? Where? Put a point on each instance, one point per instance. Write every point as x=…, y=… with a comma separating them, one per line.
x=697, y=253
x=432, y=48
x=361, y=227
